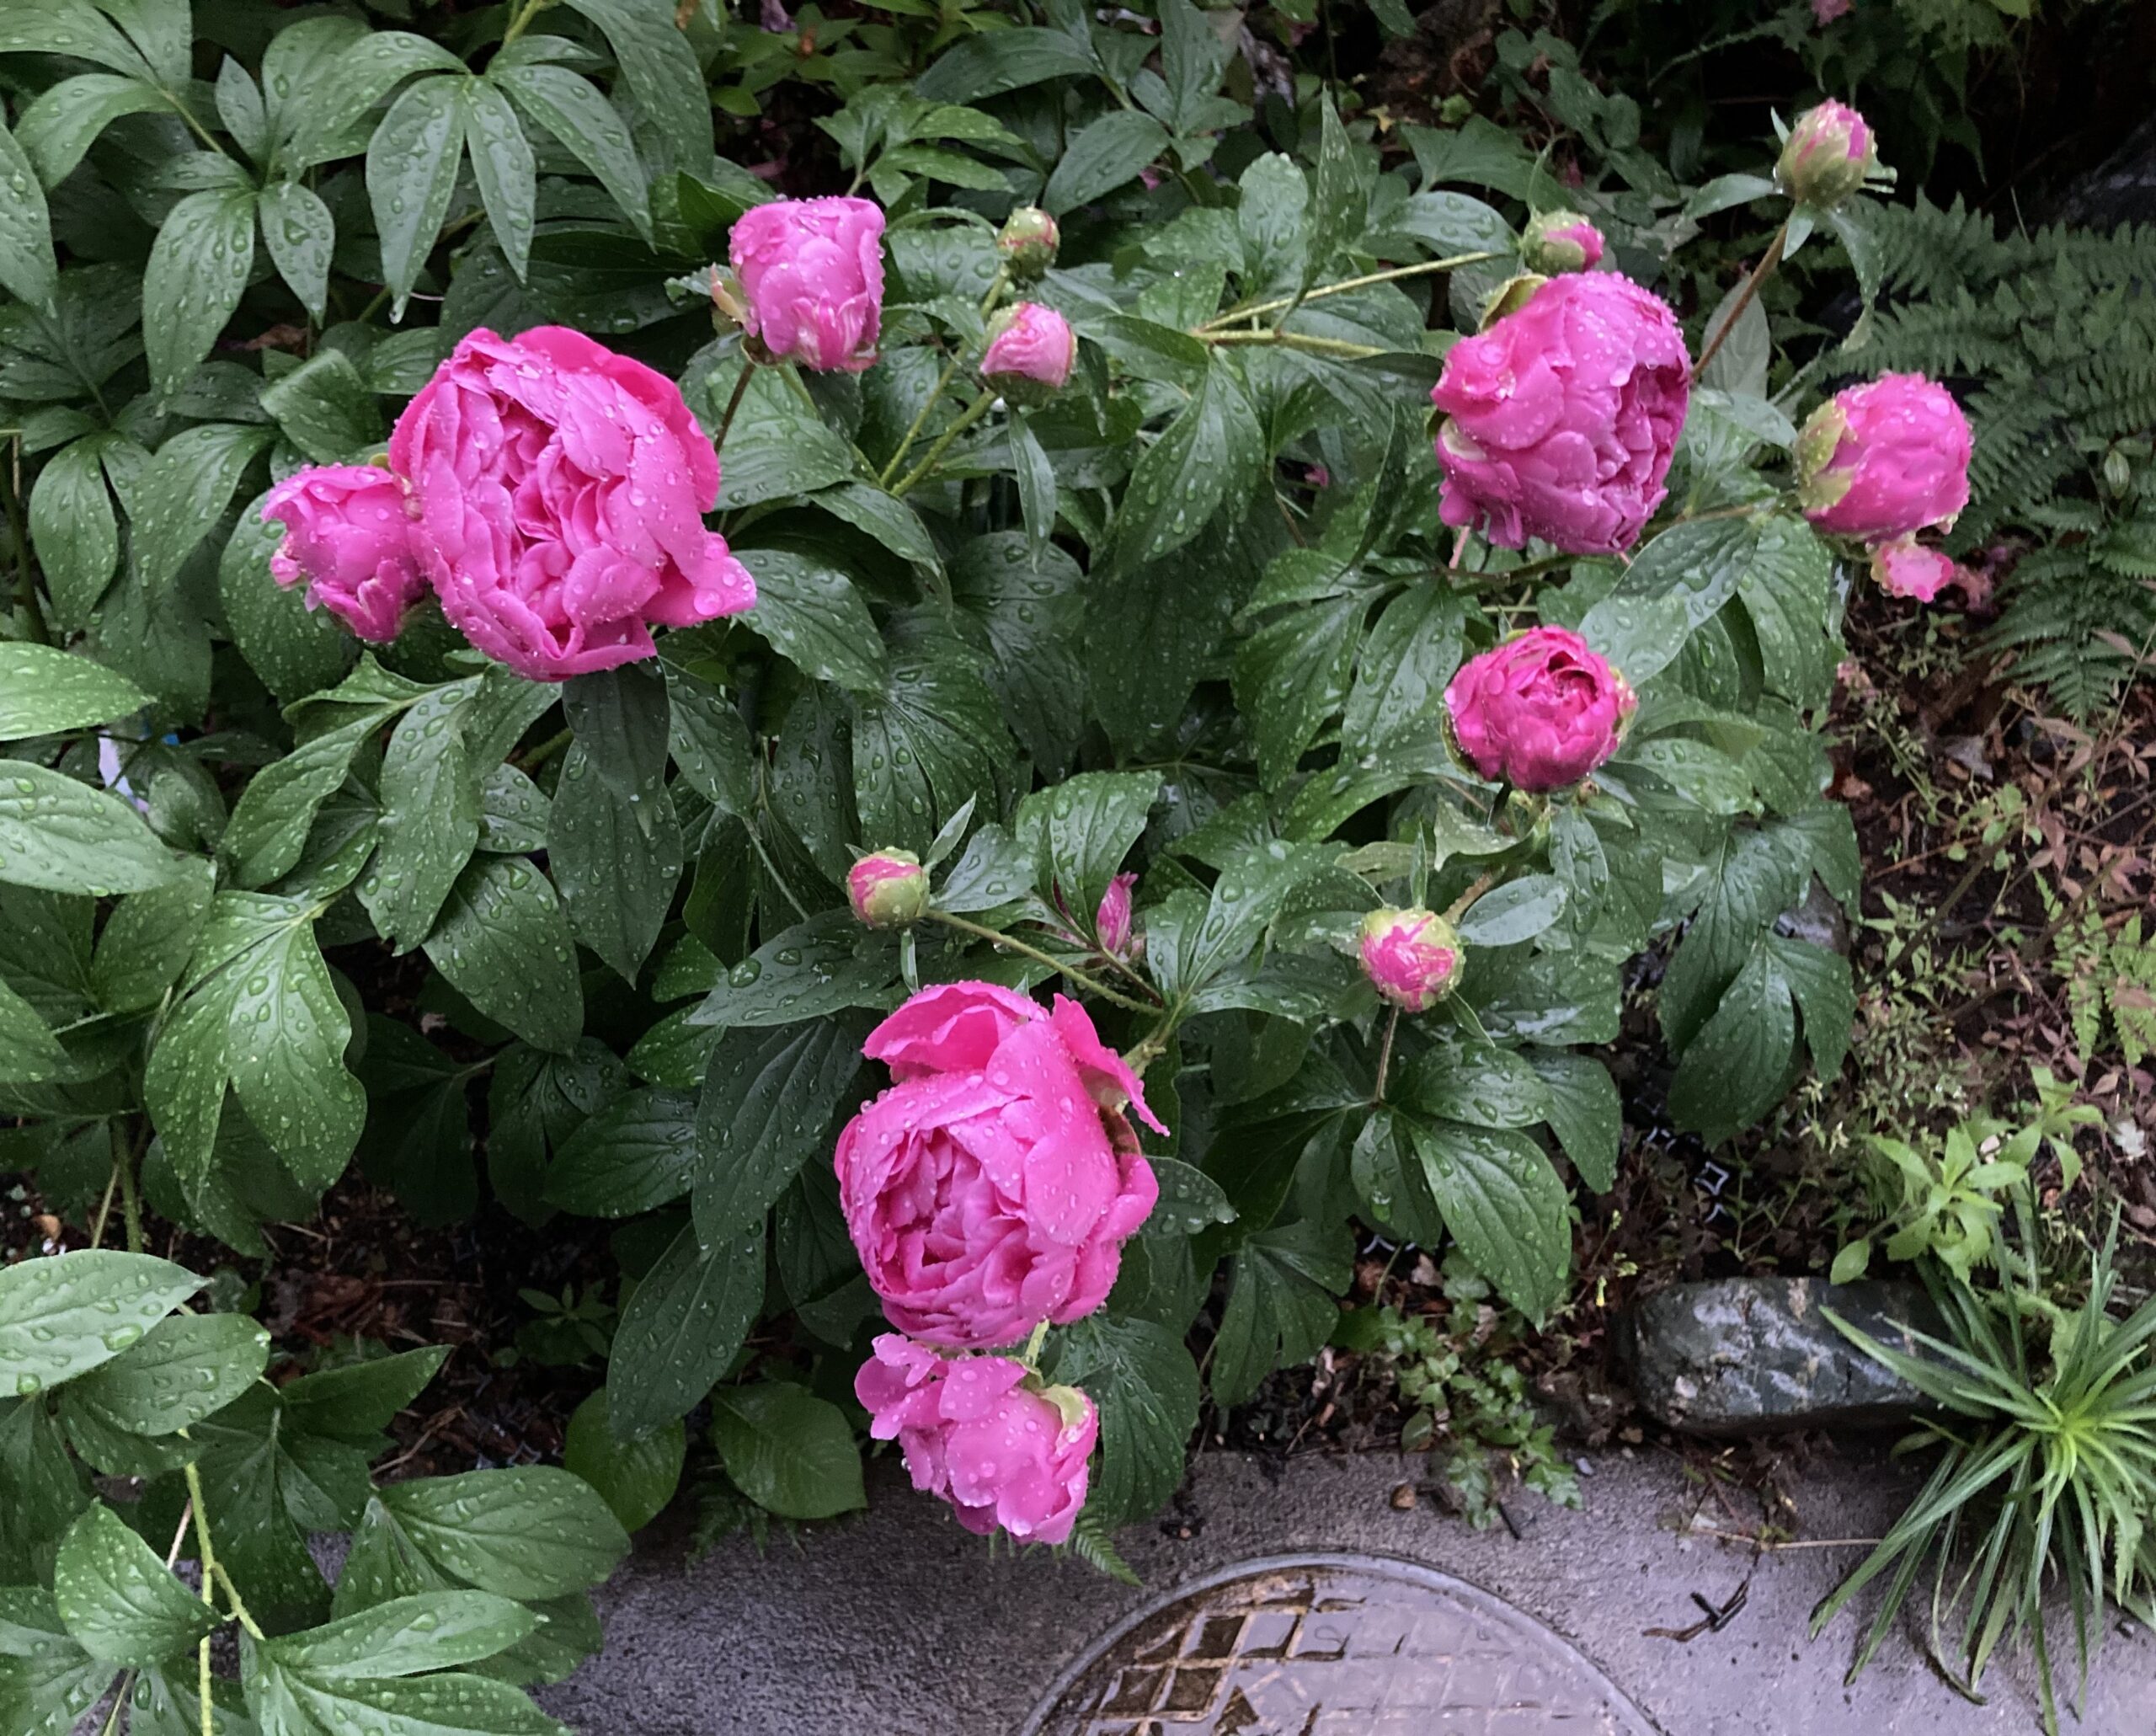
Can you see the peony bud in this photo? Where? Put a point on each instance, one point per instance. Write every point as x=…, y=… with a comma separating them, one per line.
x=1559, y=241
x=1027, y=242
x=1827, y=156
x=1112, y=921
x=1029, y=355
x=1412, y=957
x=1884, y=459
x=887, y=890
x=1539, y=710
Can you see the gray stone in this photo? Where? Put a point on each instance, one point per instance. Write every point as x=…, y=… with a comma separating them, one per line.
x=1744, y=1356
x=2120, y=189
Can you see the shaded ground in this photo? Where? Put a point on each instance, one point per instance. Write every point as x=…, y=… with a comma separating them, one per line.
x=901, y=1623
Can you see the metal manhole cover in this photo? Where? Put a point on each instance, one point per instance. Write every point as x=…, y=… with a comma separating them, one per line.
x=1333, y=1645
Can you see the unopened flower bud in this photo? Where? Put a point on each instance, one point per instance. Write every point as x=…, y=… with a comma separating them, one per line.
x=1030, y=352
x=889, y=889
x=1412, y=957
x=1559, y=241
x=1027, y=242
x=1827, y=156
x=1112, y=921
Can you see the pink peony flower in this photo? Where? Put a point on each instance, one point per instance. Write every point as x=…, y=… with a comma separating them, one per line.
x=1560, y=240
x=977, y=1434
x=1111, y=920
x=887, y=890
x=348, y=537
x=813, y=270
x=1540, y=711
x=993, y=1186
x=1412, y=957
x=1561, y=418
x=1031, y=344
x=1884, y=459
x=1905, y=567
x=1827, y=155
x=561, y=490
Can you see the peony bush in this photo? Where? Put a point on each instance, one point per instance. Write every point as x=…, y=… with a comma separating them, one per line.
x=968, y=762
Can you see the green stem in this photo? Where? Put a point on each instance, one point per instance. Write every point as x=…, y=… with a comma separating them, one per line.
x=927, y=410
x=118, y=1700
x=130, y=1198
x=733, y=404
x=1294, y=341
x=1155, y=1043
x=1001, y=282
x=1012, y=943
x=972, y=414
x=105, y=1205
x=1390, y=274
x=532, y=8
x=1760, y=273
x=1385, y=1057
x=547, y=749
x=1458, y=908
x=1032, y=1358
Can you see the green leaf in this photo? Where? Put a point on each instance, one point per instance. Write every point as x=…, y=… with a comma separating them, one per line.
x=503, y=165
x=183, y=492
x=29, y=1051
x=1271, y=219
x=1030, y=603
x=429, y=814
x=1505, y=1207
x=301, y=237
x=1086, y=826
x=663, y=76
x=59, y=836
x=635, y=1478
x=295, y=650
x=570, y=107
x=1734, y=1069
x=412, y=163
x=531, y=1531
x=1145, y=1387
x=775, y=447
x=504, y=942
x=931, y=741
x=196, y=274
x=613, y=842
x=1338, y=200
x=1292, y=673
x=1192, y=57
x=326, y=409
x=1413, y=650
x=320, y=77
x=268, y=829
x=44, y=691
x=815, y=968
x=710, y=743
x=1819, y=980
x=1210, y=454
x=1281, y=1306
x=186, y=1367
x=453, y=1704
x=1787, y=589
x=64, y=1315
x=790, y=1452
x=1752, y=876
x=1676, y=584
x=682, y=1329
x=72, y=526
x=1585, y=1113
x=355, y=1402
x=999, y=60
x=60, y=123
x=118, y=1601
x=289, y=1033
x=768, y=1100
x=1478, y=1083
x=1516, y=912
x=1101, y=156
x=407, y=1636
x=1190, y=1203
x=637, y=1153
x=811, y=614
x=27, y=269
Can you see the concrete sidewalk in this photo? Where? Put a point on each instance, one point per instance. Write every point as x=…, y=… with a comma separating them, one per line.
x=899, y=1624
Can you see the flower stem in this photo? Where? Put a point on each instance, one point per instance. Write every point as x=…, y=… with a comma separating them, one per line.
x=1385, y=1057
x=1459, y=907
x=927, y=408
x=517, y=25
x=547, y=749
x=1391, y=275
x=1760, y=273
x=1011, y=944
x=1294, y=341
x=734, y=402
x=130, y=1198
x=972, y=414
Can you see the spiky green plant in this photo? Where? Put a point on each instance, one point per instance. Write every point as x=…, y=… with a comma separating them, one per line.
x=2048, y=1473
